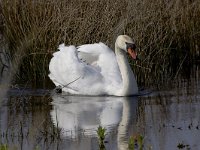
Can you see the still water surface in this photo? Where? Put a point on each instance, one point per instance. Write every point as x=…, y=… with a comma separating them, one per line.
x=166, y=118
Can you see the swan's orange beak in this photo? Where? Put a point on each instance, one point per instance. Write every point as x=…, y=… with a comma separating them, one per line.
x=133, y=53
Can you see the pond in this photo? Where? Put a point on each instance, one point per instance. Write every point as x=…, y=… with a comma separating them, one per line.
x=40, y=119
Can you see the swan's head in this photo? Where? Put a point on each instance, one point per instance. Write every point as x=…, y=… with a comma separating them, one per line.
x=126, y=43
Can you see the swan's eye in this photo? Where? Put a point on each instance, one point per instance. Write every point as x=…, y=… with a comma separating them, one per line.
x=130, y=46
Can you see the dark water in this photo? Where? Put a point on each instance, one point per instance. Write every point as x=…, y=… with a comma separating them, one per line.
x=166, y=118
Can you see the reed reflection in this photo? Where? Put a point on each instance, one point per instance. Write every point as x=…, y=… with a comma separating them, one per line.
x=171, y=119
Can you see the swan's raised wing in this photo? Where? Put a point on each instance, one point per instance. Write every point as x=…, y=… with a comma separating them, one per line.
x=65, y=67
x=102, y=58
x=90, y=53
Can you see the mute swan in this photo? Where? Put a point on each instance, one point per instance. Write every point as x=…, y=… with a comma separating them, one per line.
x=94, y=69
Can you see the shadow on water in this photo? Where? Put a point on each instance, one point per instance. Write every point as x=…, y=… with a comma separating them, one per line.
x=168, y=119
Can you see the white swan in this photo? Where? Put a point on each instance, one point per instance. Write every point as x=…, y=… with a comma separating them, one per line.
x=94, y=69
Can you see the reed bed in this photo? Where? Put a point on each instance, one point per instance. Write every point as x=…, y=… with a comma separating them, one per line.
x=167, y=33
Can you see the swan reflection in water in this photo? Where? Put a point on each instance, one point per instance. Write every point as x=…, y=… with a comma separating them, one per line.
x=78, y=115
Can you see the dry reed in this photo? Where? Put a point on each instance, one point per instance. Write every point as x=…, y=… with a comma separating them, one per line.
x=167, y=33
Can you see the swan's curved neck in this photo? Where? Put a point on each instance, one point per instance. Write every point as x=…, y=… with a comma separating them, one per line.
x=129, y=86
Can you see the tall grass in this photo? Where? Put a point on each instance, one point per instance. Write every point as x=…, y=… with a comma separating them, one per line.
x=167, y=33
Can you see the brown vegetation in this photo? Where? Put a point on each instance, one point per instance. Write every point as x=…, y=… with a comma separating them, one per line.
x=167, y=32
